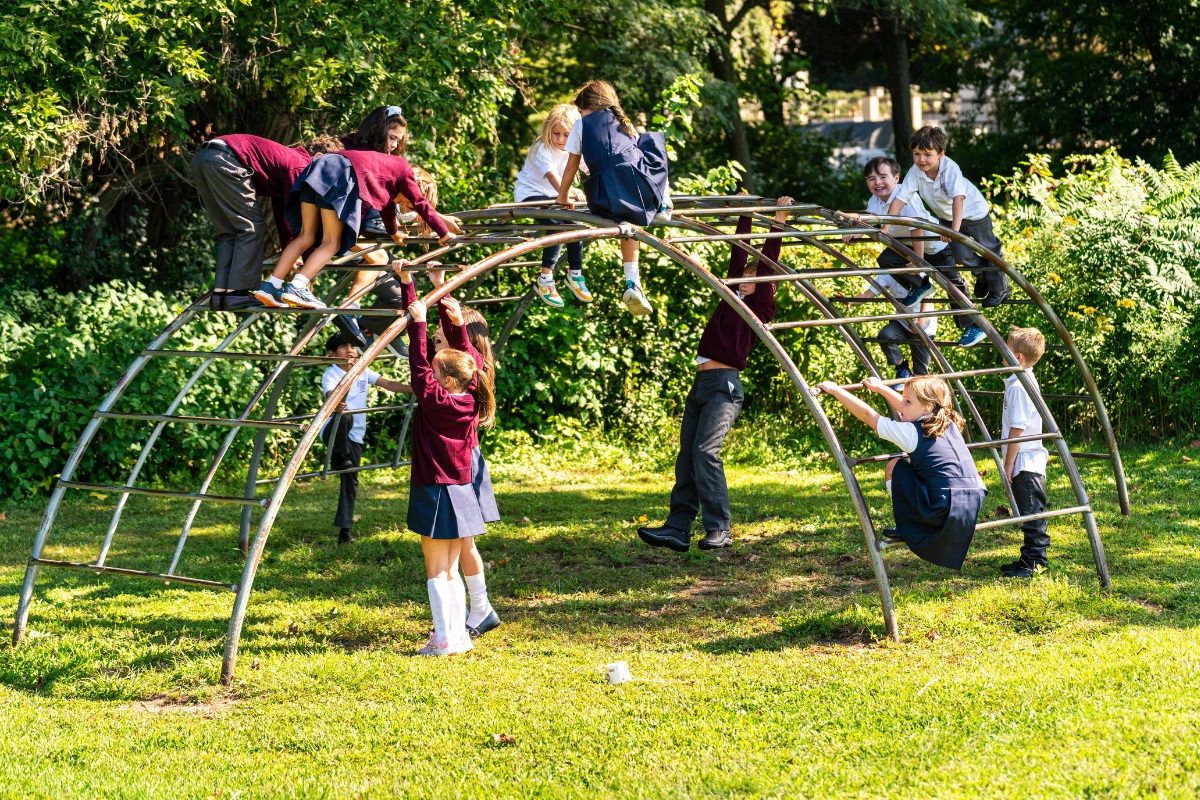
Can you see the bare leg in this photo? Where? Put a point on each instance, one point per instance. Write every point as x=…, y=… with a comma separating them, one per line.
x=629, y=250
x=331, y=227
x=309, y=219
x=472, y=562
x=364, y=279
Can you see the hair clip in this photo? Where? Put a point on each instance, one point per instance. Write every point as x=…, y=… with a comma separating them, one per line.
x=394, y=111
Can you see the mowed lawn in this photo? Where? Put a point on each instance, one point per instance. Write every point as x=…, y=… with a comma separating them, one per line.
x=759, y=671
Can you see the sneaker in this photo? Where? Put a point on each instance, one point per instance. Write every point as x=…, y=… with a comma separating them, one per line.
x=293, y=295
x=980, y=289
x=1010, y=567
x=238, y=302
x=635, y=300
x=344, y=536
x=677, y=540
x=269, y=295
x=548, y=294
x=715, y=540
x=490, y=623
x=350, y=328
x=1025, y=571
x=972, y=336
x=918, y=294
x=888, y=537
x=995, y=297
x=901, y=372
x=663, y=215
x=578, y=287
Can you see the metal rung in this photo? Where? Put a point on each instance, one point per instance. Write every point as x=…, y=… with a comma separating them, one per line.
x=490, y=300
x=307, y=475
x=984, y=445
x=358, y=312
x=1104, y=456
x=225, y=354
x=134, y=573
x=815, y=274
x=709, y=211
x=372, y=409
x=1059, y=512
x=967, y=373
x=856, y=300
x=739, y=237
x=954, y=342
x=815, y=323
x=234, y=423
x=212, y=498
x=1044, y=396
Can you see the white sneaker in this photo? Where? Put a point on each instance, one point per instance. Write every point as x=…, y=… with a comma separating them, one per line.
x=635, y=300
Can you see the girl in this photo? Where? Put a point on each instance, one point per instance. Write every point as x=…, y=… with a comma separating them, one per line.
x=453, y=396
x=384, y=130
x=326, y=198
x=466, y=330
x=629, y=174
x=937, y=492
x=539, y=179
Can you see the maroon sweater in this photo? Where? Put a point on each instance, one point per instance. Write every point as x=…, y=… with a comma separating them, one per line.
x=727, y=338
x=443, y=426
x=381, y=177
x=275, y=169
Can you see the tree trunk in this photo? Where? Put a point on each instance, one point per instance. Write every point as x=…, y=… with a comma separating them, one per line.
x=721, y=62
x=895, y=46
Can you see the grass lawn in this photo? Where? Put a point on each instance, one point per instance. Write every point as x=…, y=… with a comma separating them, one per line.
x=759, y=671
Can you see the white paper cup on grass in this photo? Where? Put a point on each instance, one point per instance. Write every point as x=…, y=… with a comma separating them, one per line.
x=618, y=672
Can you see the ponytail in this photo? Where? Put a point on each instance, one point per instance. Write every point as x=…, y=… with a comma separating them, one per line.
x=597, y=95
x=485, y=399
x=461, y=368
x=935, y=392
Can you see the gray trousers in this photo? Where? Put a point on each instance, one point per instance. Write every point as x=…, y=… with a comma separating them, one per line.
x=981, y=231
x=708, y=413
x=1029, y=488
x=896, y=332
x=227, y=192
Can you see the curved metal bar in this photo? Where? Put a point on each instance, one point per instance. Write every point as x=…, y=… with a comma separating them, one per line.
x=89, y=432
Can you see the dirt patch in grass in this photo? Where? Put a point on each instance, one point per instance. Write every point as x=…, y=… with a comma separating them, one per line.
x=163, y=704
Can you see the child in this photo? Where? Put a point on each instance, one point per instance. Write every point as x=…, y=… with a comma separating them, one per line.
x=1025, y=462
x=384, y=130
x=540, y=179
x=325, y=198
x=453, y=396
x=629, y=174
x=905, y=330
x=232, y=173
x=937, y=492
x=347, y=442
x=466, y=330
x=958, y=205
x=713, y=404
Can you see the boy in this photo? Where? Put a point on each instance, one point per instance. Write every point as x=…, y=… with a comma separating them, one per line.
x=347, y=442
x=959, y=206
x=903, y=330
x=1025, y=463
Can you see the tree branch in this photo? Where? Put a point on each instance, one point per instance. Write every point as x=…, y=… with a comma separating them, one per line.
x=740, y=14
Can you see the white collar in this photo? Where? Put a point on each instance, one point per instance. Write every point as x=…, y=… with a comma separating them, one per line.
x=1014, y=376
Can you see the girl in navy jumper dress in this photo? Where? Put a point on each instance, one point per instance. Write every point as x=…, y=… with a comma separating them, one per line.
x=453, y=396
x=328, y=197
x=465, y=329
x=937, y=492
x=628, y=180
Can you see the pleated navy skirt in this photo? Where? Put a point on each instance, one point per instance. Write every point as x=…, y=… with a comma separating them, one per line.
x=630, y=186
x=328, y=182
x=481, y=481
x=937, y=523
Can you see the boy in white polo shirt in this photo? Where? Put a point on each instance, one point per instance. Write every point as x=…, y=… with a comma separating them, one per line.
x=347, y=442
x=1025, y=463
x=959, y=206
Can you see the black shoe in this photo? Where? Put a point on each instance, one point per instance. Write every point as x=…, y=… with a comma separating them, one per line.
x=1015, y=565
x=348, y=325
x=888, y=538
x=677, y=540
x=715, y=540
x=236, y=302
x=995, y=297
x=980, y=289
x=344, y=536
x=490, y=623
x=1024, y=571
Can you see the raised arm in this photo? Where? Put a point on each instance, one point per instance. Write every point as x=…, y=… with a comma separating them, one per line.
x=855, y=406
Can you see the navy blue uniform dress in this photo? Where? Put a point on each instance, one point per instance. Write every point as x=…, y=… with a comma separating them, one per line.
x=328, y=182
x=629, y=175
x=936, y=497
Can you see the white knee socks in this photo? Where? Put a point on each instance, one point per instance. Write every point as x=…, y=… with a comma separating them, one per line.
x=440, y=604
x=480, y=605
x=460, y=640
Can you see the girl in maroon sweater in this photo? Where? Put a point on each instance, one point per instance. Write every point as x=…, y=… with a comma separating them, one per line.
x=453, y=397
x=713, y=404
x=328, y=197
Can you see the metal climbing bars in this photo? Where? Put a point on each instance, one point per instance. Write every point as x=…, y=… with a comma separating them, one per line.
x=497, y=238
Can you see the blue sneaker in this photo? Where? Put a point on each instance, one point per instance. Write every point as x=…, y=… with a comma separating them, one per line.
x=635, y=300
x=350, y=328
x=293, y=295
x=269, y=295
x=972, y=336
x=901, y=373
x=918, y=294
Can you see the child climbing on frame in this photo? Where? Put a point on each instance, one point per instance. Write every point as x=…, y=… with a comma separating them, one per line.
x=628, y=180
x=328, y=199
x=902, y=330
x=1025, y=462
x=936, y=492
x=346, y=443
x=465, y=329
x=541, y=179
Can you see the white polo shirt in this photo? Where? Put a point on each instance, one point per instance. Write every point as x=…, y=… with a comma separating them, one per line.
x=1019, y=412
x=892, y=287
x=531, y=180
x=356, y=398
x=939, y=193
x=916, y=209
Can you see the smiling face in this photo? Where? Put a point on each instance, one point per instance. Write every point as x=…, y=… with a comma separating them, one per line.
x=911, y=409
x=439, y=340
x=928, y=160
x=882, y=182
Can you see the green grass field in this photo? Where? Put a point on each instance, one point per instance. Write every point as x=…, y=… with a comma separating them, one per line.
x=759, y=671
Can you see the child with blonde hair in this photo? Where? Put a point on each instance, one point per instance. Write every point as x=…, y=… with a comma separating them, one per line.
x=1025, y=462
x=937, y=492
x=541, y=179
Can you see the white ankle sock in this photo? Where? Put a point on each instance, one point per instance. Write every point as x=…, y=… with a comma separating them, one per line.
x=480, y=605
x=575, y=273
x=276, y=282
x=439, y=606
x=300, y=282
x=632, y=273
x=545, y=279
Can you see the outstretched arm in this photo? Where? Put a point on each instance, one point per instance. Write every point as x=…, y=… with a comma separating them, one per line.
x=880, y=388
x=855, y=406
x=568, y=176
x=389, y=385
